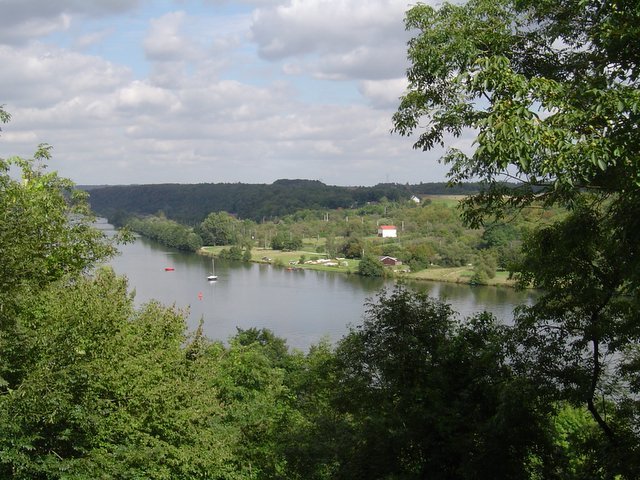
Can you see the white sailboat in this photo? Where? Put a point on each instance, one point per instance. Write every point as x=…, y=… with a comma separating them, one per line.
x=213, y=277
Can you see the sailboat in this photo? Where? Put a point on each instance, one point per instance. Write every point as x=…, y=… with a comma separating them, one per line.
x=213, y=277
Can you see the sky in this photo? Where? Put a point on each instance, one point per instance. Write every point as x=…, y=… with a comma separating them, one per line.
x=209, y=91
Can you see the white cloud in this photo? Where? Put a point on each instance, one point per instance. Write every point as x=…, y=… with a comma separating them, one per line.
x=205, y=107
x=166, y=42
x=41, y=75
x=336, y=39
x=33, y=27
x=23, y=20
x=20, y=137
x=139, y=96
x=91, y=39
x=384, y=93
x=307, y=26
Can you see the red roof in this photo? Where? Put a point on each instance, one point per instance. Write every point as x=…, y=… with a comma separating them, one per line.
x=387, y=227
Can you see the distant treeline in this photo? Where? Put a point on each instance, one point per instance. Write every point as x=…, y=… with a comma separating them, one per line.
x=191, y=203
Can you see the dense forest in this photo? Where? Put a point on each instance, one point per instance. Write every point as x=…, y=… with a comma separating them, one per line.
x=190, y=204
x=92, y=386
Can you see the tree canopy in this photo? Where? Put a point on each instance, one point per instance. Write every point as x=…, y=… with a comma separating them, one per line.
x=549, y=93
x=92, y=387
x=548, y=89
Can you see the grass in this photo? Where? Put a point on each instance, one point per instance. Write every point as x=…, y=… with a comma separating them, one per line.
x=287, y=259
x=448, y=200
x=457, y=275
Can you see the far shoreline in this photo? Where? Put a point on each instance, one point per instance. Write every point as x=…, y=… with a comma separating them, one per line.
x=289, y=259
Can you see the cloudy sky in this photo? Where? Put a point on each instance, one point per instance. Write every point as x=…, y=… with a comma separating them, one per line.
x=135, y=91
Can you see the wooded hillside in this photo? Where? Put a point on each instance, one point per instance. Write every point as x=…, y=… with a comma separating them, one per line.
x=191, y=203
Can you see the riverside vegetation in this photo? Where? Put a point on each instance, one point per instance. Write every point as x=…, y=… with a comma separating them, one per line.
x=433, y=242
x=92, y=387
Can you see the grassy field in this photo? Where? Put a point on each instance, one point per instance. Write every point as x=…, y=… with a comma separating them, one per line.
x=290, y=259
x=448, y=200
x=457, y=275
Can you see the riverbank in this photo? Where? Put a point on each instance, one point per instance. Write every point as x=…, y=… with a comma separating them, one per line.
x=459, y=275
x=291, y=259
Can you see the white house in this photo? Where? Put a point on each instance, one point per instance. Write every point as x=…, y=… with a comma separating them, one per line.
x=415, y=199
x=387, y=231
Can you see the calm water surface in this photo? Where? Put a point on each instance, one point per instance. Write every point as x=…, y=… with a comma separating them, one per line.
x=301, y=306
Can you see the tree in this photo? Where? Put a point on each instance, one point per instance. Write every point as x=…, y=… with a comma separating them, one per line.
x=352, y=247
x=166, y=232
x=551, y=95
x=370, y=266
x=46, y=233
x=250, y=384
x=551, y=91
x=286, y=241
x=433, y=398
x=108, y=391
x=500, y=235
x=46, y=226
x=219, y=228
x=484, y=268
x=232, y=253
x=246, y=255
x=418, y=255
x=89, y=387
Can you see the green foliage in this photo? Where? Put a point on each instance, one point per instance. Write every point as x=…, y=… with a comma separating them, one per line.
x=552, y=91
x=167, y=232
x=46, y=233
x=500, y=235
x=579, y=332
x=370, y=266
x=418, y=255
x=232, y=253
x=219, y=228
x=191, y=204
x=558, y=118
x=429, y=397
x=286, y=241
x=484, y=268
x=107, y=392
x=46, y=226
x=273, y=347
x=352, y=247
x=331, y=246
x=575, y=432
x=318, y=433
x=4, y=115
x=255, y=402
x=92, y=387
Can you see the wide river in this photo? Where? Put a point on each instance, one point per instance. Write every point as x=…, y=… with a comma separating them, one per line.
x=301, y=306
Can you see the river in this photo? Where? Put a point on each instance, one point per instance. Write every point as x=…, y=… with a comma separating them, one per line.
x=301, y=306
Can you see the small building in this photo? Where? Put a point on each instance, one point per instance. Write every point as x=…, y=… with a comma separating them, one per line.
x=415, y=199
x=387, y=231
x=390, y=261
